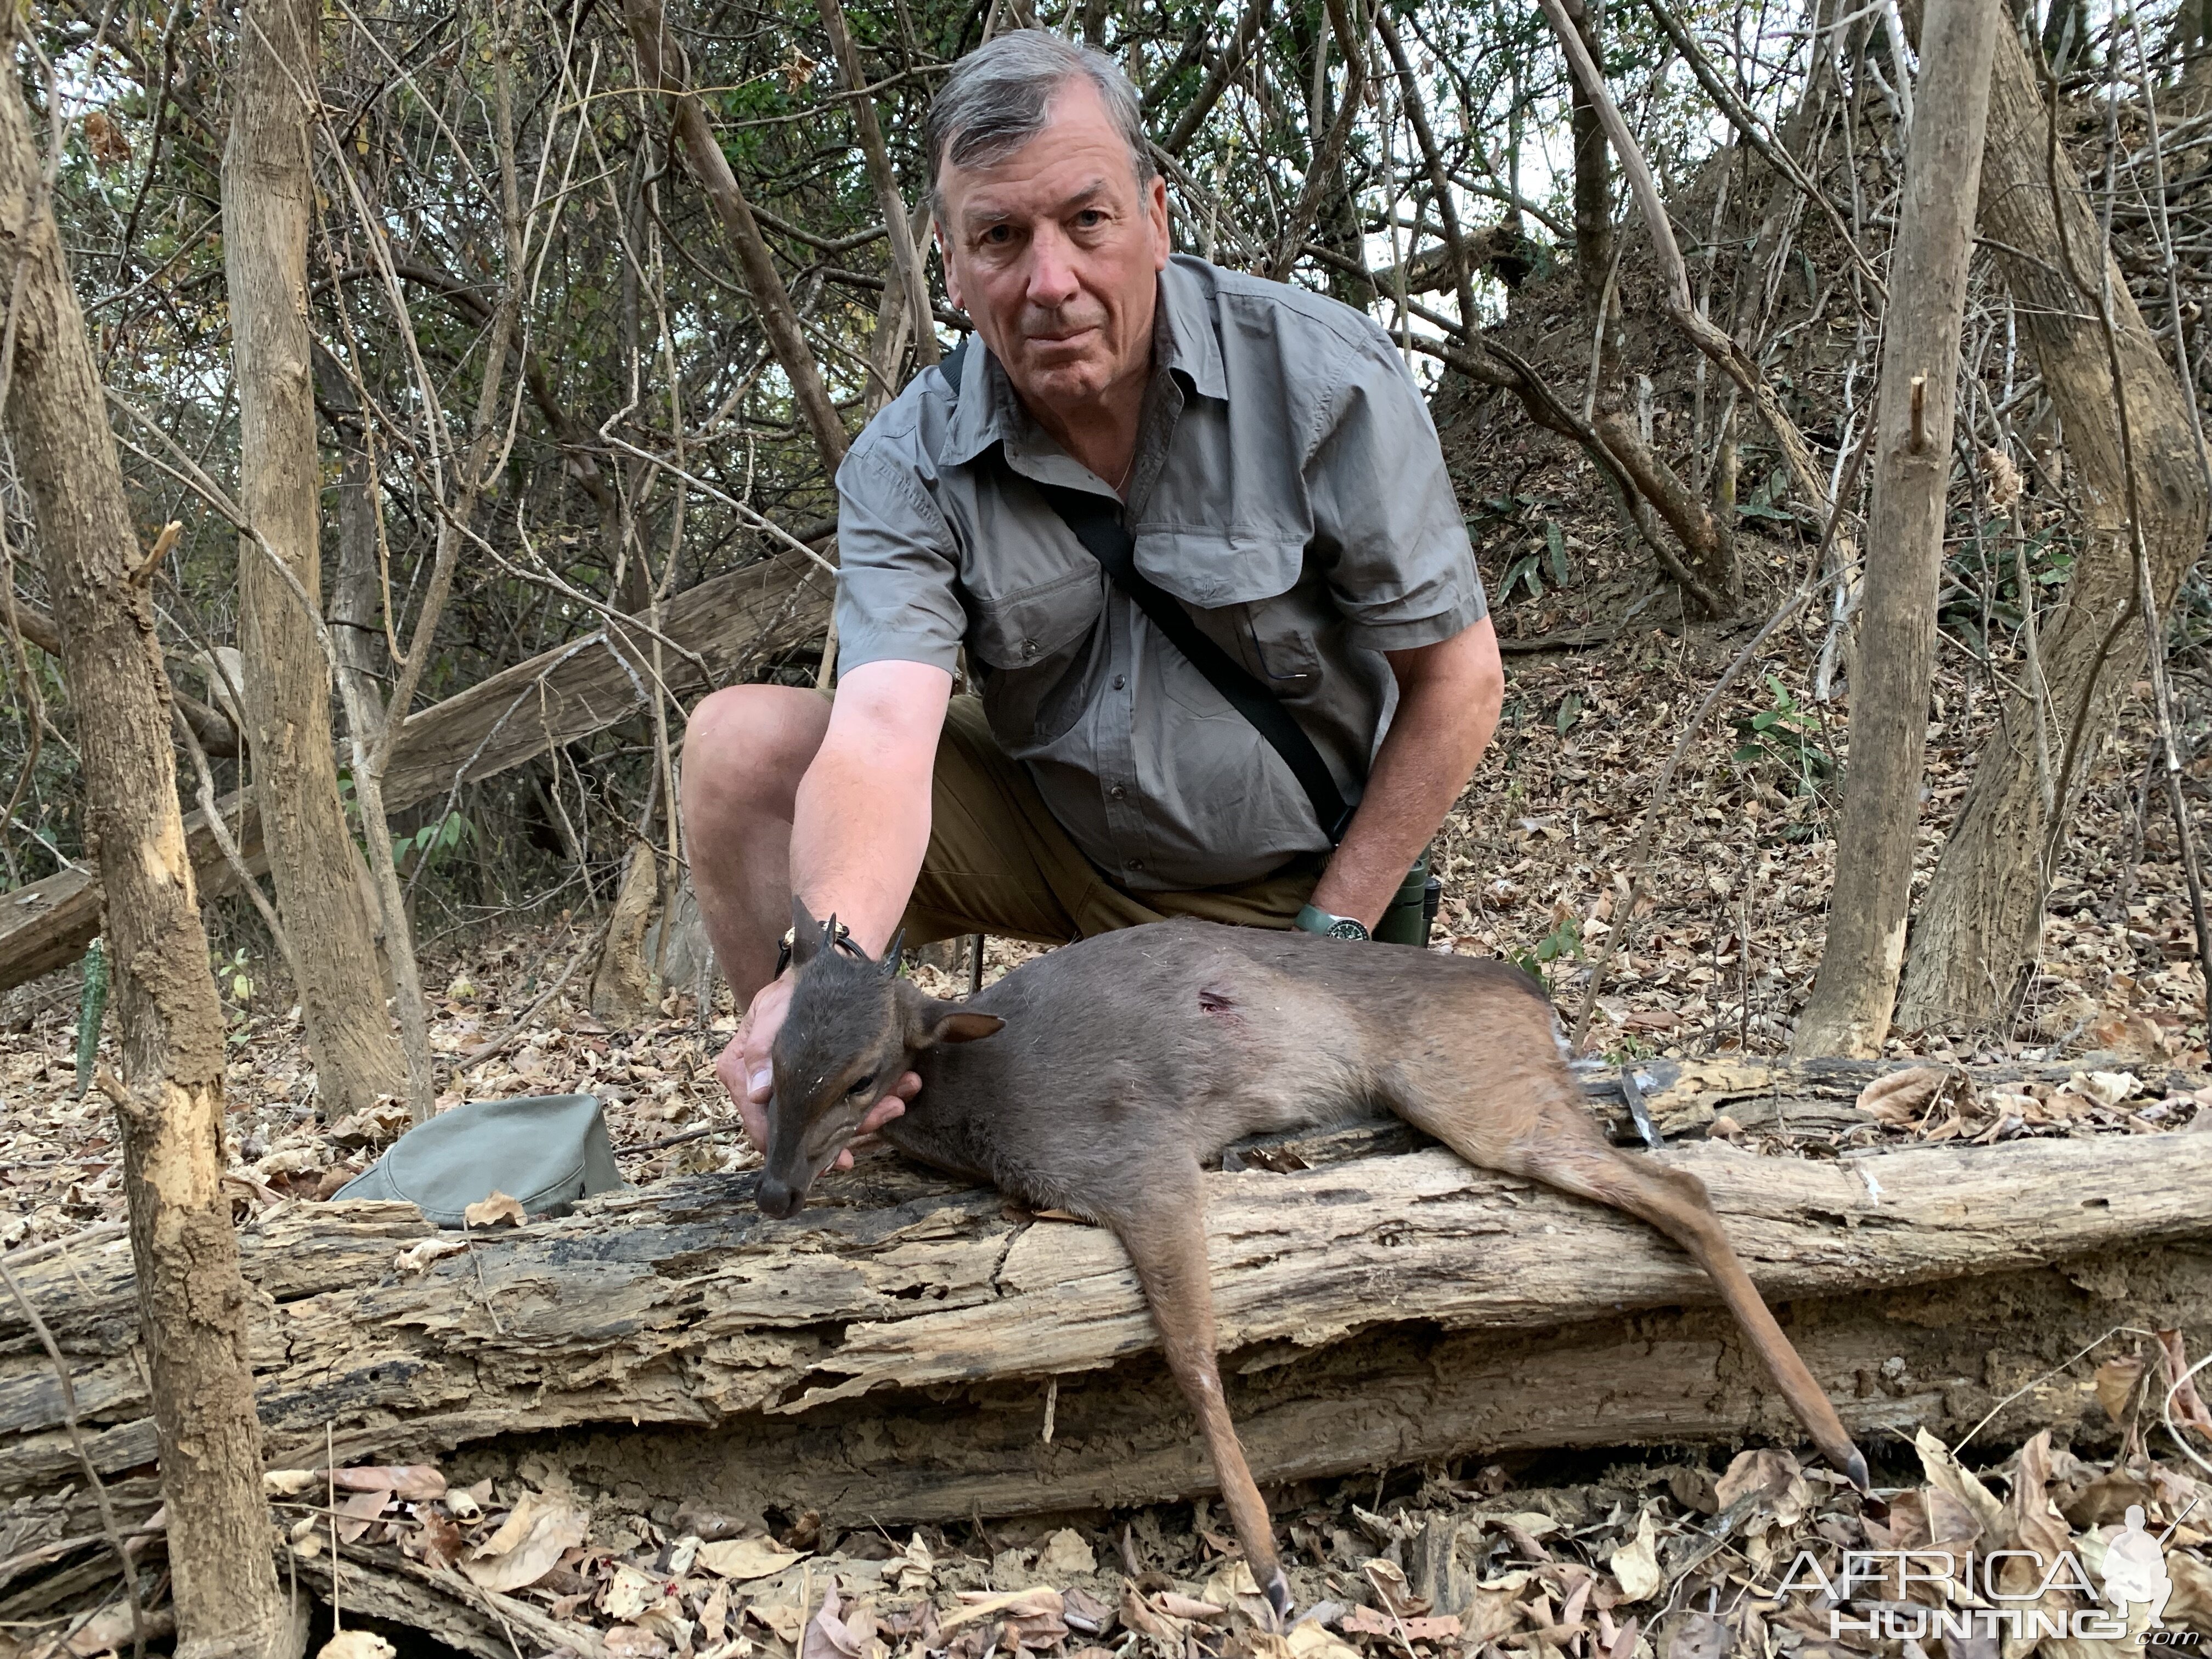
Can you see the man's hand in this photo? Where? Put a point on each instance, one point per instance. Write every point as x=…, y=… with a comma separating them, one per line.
x=745, y=1071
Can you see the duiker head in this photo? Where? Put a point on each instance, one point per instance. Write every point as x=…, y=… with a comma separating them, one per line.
x=851, y=1031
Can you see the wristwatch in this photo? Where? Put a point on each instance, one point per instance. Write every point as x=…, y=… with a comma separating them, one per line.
x=1314, y=920
x=841, y=937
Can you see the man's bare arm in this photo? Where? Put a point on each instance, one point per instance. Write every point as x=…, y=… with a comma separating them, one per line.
x=860, y=827
x=861, y=822
x=1448, y=695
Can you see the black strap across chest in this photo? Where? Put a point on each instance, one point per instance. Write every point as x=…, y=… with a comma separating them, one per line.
x=1096, y=522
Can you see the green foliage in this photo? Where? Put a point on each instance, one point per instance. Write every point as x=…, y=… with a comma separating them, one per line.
x=1981, y=580
x=433, y=842
x=1508, y=517
x=1765, y=499
x=1786, y=735
x=1564, y=940
x=236, y=976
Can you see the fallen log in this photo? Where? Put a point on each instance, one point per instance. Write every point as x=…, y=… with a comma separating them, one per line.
x=888, y=1353
x=715, y=630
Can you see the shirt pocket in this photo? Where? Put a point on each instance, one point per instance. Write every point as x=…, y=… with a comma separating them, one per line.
x=1249, y=596
x=1032, y=645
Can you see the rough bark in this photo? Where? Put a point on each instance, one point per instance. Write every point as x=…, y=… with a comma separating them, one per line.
x=1849, y=1011
x=1980, y=925
x=862, y=1360
x=661, y=66
x=268, y=193
x=1942, y=1356
x=721, y=628
x=189, y=1301
x=624, y=988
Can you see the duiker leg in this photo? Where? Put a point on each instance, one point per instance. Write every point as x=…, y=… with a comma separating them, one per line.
x=1164, y=1233
x=1555, y=1142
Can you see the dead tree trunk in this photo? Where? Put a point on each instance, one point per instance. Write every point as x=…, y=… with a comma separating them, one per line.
x=268, y=190
x=1849, y=1011
x=883, y=1354
x=1981, y=920
x=715, y=631
x=191, y=1297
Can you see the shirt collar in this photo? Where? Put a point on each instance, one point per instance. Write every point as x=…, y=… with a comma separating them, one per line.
x=1183, y=341
x=1183, y=336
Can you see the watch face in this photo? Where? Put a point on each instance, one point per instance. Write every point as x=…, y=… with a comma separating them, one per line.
x=1345, y=927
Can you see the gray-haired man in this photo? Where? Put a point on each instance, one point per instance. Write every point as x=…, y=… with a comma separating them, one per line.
x=1280, y=477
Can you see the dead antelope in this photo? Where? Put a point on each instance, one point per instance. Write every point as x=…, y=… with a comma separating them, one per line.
x=1119, y=1066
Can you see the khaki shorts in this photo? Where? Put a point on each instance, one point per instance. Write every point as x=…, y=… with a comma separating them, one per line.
x=998, y=862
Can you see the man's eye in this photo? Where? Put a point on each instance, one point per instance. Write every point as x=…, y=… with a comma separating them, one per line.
x=1090, y=219
x=863, y=1085
x=998, y=236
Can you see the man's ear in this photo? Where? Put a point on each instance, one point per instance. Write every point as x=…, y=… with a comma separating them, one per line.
x=944, y=258
x=805, y=933
x=931, y=1022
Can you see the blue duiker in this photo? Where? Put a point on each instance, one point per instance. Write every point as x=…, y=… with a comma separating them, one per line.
x=1101, y=1077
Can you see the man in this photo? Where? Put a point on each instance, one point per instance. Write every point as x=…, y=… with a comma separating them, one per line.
x=1278, y=471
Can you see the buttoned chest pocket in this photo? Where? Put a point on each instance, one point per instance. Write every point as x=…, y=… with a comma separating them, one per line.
x=1249, y=596
x=1033, y=645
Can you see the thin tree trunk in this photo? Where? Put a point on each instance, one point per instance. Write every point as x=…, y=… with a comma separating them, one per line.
x=906, y=258
x=1233, y=55
x=357, y=636
x=356, y=610
x=625, y=989
x=1323, y=174
x=191, y=1298
x=660, y=63
x=1981, y=920
x=1850, y=1009
x=1432, y=162
x=268, y=190
x=1707, y=570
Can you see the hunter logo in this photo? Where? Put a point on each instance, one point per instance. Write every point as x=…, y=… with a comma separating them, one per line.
x=2134, y=1571
x=2134, y=1591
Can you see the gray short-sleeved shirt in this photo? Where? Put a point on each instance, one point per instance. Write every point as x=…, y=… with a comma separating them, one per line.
x=1288, y=488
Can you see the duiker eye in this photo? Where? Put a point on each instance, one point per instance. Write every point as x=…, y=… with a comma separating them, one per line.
x=862, y=1085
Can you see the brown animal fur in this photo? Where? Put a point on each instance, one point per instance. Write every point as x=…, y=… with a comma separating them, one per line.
x=1127, y=1061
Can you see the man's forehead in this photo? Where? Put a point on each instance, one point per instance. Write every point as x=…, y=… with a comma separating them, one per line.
x=1078, y=133
x=990, y=201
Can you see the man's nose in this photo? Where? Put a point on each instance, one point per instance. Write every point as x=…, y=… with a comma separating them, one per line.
x=1052, y=270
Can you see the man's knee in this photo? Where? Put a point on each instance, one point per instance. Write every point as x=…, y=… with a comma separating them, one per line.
x=746, y=747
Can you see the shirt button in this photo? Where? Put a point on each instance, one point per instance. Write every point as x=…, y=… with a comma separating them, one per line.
x=1028, y=647
x=1116, y=794
x=1136, y=863
x=1120, y=680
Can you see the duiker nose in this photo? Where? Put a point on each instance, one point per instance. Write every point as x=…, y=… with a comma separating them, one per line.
x=779, y=1198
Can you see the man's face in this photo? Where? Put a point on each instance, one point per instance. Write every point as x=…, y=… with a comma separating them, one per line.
x=1055, y=251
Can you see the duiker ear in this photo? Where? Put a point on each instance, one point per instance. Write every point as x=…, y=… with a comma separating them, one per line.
x=805, y=933
x=932, y=1022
